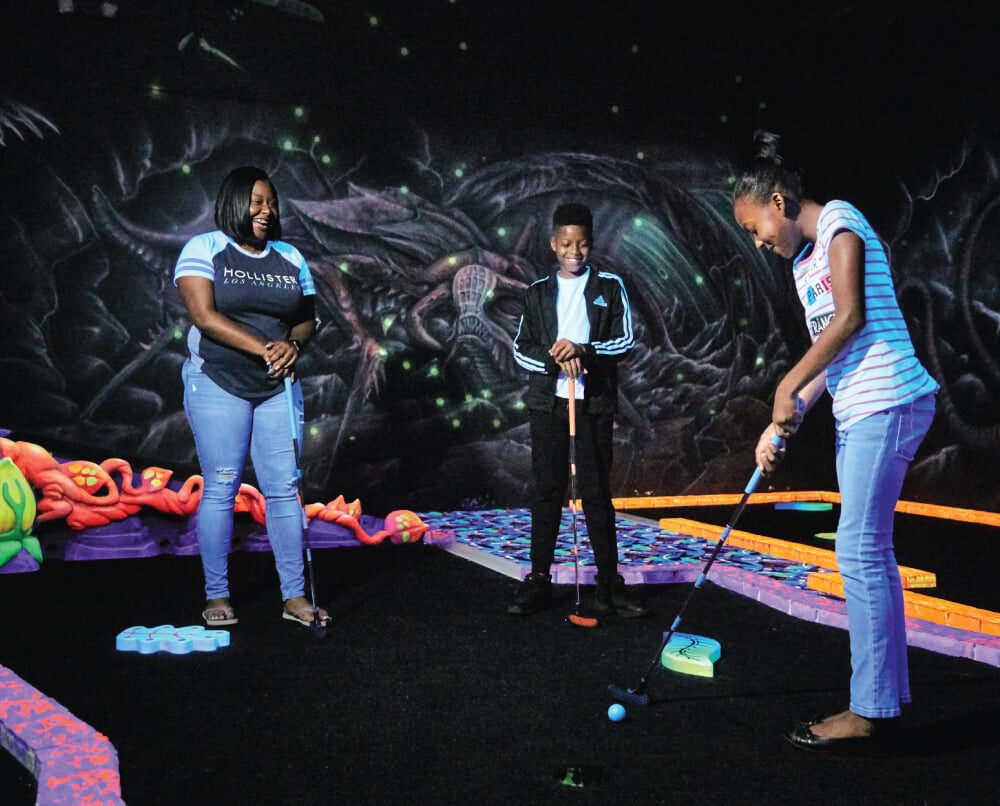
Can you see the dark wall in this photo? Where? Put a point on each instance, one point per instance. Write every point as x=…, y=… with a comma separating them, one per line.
x=420, y=185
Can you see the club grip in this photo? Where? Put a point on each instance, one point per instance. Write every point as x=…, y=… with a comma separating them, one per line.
x=291, y=406
x=572, y=407
x=778, y=442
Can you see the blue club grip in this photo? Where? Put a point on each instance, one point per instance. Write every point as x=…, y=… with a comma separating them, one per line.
x=291, y=405
x=755, y=478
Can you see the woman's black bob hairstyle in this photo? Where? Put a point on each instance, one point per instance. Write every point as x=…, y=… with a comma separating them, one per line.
x=232, y=205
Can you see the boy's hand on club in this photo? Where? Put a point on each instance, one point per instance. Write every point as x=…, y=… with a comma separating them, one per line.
x=573, y=368
x=564, y=349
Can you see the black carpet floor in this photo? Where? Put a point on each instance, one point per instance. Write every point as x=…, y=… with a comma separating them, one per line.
x=425, y=692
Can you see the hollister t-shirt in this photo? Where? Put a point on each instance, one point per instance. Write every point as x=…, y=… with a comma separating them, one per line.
x=262, y=293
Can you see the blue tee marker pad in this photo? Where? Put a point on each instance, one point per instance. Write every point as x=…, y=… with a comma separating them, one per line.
x=168, y=638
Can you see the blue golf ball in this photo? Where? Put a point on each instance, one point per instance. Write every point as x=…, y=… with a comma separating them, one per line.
x=616, y=713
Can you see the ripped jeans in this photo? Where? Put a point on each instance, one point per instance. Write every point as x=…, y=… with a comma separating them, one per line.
x=224, y=426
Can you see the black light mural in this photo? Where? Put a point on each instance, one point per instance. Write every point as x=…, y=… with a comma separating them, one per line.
x=418, y=175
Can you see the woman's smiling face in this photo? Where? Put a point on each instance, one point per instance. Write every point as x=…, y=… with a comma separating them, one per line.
x=263, y=209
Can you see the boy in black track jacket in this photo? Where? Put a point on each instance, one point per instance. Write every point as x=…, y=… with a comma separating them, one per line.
x=576, y=324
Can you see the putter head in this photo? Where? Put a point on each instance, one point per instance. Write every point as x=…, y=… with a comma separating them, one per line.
x=628, y=695
x=581, y=621
x=318, y=628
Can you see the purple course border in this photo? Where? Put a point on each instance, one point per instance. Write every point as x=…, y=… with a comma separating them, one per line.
x=504, y=551
x=72, y=762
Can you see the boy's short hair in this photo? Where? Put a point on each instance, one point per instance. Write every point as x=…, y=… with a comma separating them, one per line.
x=572, y=214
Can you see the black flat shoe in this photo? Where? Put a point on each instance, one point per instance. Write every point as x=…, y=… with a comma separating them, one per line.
x=879, y=743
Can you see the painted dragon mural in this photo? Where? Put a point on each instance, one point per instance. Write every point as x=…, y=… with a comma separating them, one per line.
x=412, y=396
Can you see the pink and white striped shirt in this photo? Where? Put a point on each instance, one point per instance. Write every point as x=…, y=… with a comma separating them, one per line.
x=878, y=368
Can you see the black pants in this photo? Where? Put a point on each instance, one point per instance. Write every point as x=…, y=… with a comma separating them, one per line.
x=550, y=464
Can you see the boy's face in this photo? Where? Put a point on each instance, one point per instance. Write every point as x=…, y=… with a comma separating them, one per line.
x=572, y=245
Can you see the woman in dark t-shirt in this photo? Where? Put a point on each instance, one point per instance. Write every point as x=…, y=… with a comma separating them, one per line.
x=249, y=296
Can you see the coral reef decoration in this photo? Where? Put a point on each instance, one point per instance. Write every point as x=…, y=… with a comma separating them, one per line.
x=404, y=526
x=17, y=514
x=401, y=526
x=249, y=499
x=86, y=495
x=152, y=489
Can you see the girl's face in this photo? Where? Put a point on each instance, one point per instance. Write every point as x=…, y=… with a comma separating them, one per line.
x=770, y=224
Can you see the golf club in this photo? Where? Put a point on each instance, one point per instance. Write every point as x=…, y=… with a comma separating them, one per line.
x=316, y=625
x=637, y=695
x=575, y=617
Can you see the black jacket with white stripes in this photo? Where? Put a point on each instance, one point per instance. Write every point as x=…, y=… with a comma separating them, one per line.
x=611, y=338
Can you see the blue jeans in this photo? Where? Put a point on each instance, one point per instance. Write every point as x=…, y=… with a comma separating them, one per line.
x=872, y=458
x=224, y=426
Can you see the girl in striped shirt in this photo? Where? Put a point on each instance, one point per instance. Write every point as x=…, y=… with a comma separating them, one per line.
x=883, y=403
